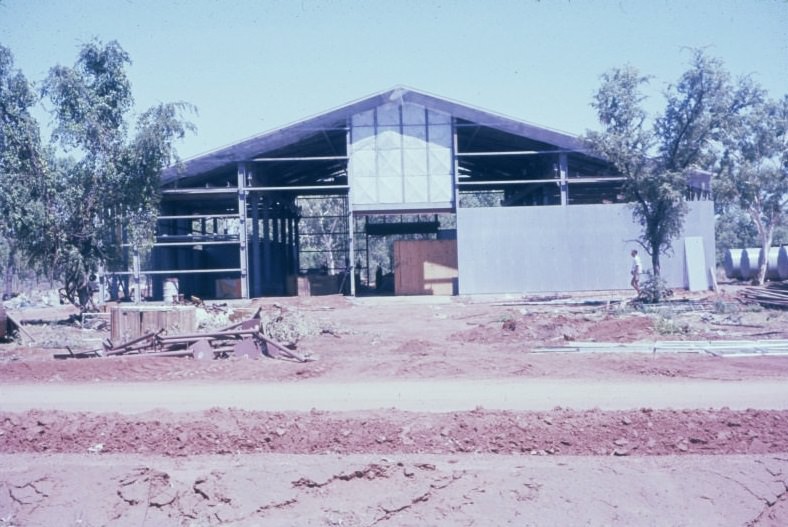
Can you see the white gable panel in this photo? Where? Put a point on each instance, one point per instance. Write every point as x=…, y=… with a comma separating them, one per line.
x=390, y=190
x=440, y=161
x=441, y=188
x=389, y=163
x=365, y=190
x=415, y=162
x=401, y=154
x=416, y=190
x=362, y=164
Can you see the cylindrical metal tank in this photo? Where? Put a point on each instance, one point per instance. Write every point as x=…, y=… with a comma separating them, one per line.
x=3, y=321
x=782, y=263
x=749, y=262
x=772, y=264
x=732, y=263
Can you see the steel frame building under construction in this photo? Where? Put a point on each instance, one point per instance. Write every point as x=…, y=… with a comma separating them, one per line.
x=499, y=206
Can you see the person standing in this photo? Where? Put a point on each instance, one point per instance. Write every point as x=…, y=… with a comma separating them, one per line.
x=637, y=268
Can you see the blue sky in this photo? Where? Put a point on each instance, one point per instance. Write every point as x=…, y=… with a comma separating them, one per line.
x=250, y=66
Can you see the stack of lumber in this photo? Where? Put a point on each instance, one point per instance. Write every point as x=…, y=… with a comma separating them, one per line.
x=773, y=295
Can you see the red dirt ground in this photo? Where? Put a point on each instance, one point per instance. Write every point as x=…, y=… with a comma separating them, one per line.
x=234, y=466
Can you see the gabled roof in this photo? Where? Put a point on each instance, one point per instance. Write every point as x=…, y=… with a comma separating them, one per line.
x=247, y=149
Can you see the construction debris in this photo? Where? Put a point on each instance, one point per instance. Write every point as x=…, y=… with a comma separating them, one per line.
x=718, y=348
x=11, y=326
x=243, y=339
x=774, y=295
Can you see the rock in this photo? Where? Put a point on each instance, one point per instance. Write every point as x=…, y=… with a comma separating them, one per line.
x=620, y=442
x=626, y=420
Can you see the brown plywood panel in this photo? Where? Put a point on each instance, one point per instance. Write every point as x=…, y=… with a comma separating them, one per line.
x=425, y=267
x=131, y=321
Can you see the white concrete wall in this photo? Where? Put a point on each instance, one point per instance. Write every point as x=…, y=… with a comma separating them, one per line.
x=573, y=248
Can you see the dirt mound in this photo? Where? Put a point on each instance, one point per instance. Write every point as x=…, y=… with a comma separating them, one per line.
x=643, y=432
x=537, y=328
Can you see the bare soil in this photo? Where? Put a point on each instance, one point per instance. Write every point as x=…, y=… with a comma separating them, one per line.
x=719, y=463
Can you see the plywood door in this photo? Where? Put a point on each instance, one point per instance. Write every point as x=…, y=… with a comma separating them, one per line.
x=425, y=267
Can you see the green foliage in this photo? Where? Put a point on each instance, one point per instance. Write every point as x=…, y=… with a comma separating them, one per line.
x=100, y=186
x=656, y=159
x=653, y=290
x=754, y=170
x=21, y=163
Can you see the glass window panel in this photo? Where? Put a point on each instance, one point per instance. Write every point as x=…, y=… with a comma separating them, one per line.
x=441, y=135
x=413, y=114
x=414, y=137
x=389, y=137
x=364, y=118
x=363, y=137
x=435, y=117
x=388, y=114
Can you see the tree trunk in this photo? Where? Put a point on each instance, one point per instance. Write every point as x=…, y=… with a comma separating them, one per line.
x=655, y=267
x=766, y=244
x=8, y=281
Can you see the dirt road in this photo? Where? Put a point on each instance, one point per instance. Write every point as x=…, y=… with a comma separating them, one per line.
x=437, y=395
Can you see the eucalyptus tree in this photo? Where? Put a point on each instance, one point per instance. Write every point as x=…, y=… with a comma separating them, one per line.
x=754, y=170
x=655, y=156
x=21, y=164
x=108, y=175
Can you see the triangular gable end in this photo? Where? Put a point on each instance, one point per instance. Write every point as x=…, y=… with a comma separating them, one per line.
x=400, y=156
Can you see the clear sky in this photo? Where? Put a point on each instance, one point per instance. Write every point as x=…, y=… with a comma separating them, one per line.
x=250, y=66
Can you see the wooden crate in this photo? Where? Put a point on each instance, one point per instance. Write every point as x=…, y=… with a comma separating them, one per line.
x=425, y=267
x=131, y=321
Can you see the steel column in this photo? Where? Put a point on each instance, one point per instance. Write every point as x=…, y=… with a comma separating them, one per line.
x=242, y=249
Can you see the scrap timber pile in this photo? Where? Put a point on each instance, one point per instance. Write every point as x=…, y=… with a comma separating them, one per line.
x=243, y=339
x=774, y=295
